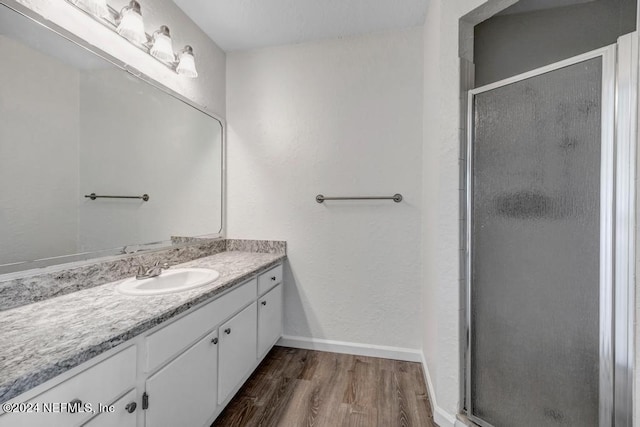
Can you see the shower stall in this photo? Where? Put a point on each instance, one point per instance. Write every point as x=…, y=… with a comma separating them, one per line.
x=551, y=157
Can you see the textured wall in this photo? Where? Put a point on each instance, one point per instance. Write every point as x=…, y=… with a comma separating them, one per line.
x=38, y=208
x=441, y=209
x=431, y=178
x=507, y=45
x=207, y=90
x=340, y=117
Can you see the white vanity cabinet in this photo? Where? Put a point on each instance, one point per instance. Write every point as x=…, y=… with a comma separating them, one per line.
x=180, y=373
x=190, y=389
x=237, y=350
x=169, y=340
x=184, y=392
x=77, y=399
x=269, y=279
x=124, y=413
x=269, y=320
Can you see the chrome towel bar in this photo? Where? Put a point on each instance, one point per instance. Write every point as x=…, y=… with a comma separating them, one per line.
x=396, y=198
x=93, y=196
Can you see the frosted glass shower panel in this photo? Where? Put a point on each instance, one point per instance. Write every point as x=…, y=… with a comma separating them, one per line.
x=536, y=250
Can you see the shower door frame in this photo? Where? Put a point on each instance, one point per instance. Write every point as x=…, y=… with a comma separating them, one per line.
x=617, y=226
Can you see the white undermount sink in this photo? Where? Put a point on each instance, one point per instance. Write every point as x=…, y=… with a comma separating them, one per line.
x=170, y=281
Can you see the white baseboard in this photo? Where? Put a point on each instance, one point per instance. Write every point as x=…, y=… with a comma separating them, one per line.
x=440, y=416
x=396, y=353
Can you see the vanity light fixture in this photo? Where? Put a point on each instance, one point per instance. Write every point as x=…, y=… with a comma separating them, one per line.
x=96, y=7
x=129, y=24
x=187, y=63
x=162, y=47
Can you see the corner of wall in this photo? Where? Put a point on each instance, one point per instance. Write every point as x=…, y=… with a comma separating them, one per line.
x=440, y=416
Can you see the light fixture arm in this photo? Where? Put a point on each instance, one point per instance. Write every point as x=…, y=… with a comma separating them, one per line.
x=164, y=30
x=188, y=49
x=133, y=5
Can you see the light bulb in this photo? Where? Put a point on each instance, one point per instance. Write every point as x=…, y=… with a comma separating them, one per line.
x=162, y=47
x=187, y=63
x=131, y=26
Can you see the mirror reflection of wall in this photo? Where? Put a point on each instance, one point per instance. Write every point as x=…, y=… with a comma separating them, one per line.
x=160, y=148
x=72, y=124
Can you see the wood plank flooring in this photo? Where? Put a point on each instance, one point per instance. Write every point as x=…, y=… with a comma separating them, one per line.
x=294, y=387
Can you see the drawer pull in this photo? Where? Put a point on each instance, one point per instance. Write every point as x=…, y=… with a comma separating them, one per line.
x=131, y=407
x=227, y=331
x=215, y=340
x=74, y=406
x=273, y=278
x=263, y=303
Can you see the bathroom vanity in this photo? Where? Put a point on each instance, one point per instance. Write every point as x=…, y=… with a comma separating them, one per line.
x=100, y=358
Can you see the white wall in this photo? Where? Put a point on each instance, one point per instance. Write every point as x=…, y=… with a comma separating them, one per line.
x=338, y=117
x=38, y=216
x=207, y=90
x=441, y=204
x=430, y=158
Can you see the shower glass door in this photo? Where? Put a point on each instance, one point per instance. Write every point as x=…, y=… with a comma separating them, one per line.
x=540, y=185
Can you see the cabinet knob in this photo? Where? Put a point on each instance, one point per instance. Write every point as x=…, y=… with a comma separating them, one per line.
x=215, y=340
x=273, y=278
x=263, y=303
x=227, y=331
x=74, y=406
x=131, y=407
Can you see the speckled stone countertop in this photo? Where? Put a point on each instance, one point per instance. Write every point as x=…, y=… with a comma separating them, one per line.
x=45, y=339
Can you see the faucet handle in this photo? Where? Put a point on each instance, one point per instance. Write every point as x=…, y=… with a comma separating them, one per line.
x=141, y=270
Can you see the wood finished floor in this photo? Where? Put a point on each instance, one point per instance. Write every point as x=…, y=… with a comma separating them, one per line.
x=294, y=387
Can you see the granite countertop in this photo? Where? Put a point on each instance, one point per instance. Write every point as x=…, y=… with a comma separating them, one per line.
x=45, y=339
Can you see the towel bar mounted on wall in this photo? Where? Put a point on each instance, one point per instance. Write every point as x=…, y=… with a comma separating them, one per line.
x=93, y=196
x=396, y=198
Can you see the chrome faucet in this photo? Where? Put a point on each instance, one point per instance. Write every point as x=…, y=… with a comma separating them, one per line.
x=147, y=273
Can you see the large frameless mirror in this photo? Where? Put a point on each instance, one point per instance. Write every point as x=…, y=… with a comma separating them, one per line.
x=75, y=127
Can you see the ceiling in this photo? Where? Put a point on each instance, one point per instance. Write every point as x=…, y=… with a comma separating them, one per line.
x=248, y=24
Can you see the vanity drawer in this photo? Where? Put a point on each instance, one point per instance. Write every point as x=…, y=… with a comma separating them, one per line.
x=177, y=336
x=120, y=417
x=100, y=384
x=269, y=279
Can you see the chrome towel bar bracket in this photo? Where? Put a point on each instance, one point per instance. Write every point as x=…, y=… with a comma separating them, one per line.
x=93, y=196
x=396, y=198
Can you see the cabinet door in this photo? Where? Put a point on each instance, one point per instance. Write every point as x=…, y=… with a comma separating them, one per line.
x=123, y=415
x=173, y=338
x=184, y=393
x=237, y=350
x=269, y=320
